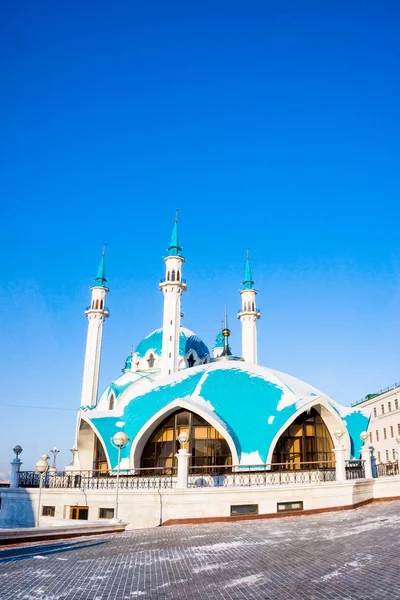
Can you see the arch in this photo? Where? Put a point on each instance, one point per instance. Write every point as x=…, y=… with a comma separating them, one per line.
x=145, y=432
x=191, y=361
x=101, y=304
x=168, y=276
x=178, y=276
x=97, y=304
x=111, y=402
x=173, y=275
x=150, y=361
x=252, y=306
x=89, y=442
x=330, y=417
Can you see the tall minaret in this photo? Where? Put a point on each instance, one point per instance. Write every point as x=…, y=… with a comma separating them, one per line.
x=96, y=314
x=172, y=287
x=249, y=316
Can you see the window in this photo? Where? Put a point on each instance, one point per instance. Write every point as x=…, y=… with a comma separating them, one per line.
x=375, y=412
x=150, y=361
x=307, y=439
x=191, y=361
x=396, y=404
x=244, y=509
x=384, y=433
x=377, y=435
x=206, y=444
x=111, y=402
x=391, y=431
x=379, y=457
x=178, y=276
x=387, y=455
x=383, y=408
x=394, y=454
x=169, y=356
x=97, y=304
x=79, y=512
x=48, y=511
x=398, y=429
x=101, y=304
x=168, y=276
x=173, y=276
x=252, y=306
x=106, y=513
x=370, y=437
x=389, y=407
x=289, y=506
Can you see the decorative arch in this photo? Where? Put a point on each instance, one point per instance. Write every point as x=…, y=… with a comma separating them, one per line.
x=148, y=428
x=89, y=441
x=330, y=417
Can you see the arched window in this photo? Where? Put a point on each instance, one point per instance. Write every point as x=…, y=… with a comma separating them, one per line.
x=168, y=276
x=173, y=276
x=111, y=402
x=150, y=361
x=206, y=445
x=97, y=304
x=252, y=306
x=307, y=439
x=101, y=304
x=191, y=360
x=178, y=275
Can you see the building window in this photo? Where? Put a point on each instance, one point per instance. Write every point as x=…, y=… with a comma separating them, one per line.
x=244, y=509
x=106, y=513
x=389, y=407
x=111, y=402
x=150, y=361
x=396, y=404
x=48, y=511
x=387, y=455
x=206, y=445
x=391, y=431
x=375, y=412
x=173, y=276
x=379, y=457
x=178, y=276
x=394, y=454
x=377, y=435
x=307, y=439
x=370, y=437
x=100, y=459
x=398, y=429
x=168, y=276
x=384, y=433
x=289, y=506
x=191, y=361
x=383, y=408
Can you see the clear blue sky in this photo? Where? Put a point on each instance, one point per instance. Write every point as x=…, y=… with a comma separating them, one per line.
x=270, y=124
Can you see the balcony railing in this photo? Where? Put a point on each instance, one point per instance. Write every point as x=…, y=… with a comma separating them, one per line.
x=387, y=469
x=262, y=475
x=355, y=469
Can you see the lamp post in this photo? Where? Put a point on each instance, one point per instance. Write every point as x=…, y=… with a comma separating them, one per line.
x=15, y=467
x=119, y=441
x=41, y=467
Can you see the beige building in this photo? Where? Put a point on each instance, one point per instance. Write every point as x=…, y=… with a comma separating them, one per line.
x=384, y=424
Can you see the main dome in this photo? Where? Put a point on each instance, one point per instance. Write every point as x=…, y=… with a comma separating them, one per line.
x=188, y=341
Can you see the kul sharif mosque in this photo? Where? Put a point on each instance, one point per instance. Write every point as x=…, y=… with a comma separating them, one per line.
x=234, y=411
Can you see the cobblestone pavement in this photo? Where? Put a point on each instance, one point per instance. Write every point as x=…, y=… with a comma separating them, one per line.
x=347, y=555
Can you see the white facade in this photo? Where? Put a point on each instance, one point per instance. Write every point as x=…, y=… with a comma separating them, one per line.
x=384, y=424
x=96, y=314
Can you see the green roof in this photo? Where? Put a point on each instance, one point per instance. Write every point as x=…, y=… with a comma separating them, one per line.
x=101, y=272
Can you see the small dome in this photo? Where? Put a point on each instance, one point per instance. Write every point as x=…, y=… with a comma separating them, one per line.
x=219, y=341
x=187, y=341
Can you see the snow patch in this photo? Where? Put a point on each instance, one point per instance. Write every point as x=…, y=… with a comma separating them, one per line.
x=249, y=580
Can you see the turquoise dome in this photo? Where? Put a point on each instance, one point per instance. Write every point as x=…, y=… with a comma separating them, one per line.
x=187, y=341
x=253, y=403
x=219, y=341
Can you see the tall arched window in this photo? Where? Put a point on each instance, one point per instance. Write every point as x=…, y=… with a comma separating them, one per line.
x=252, y=306
x=173, y=276
x=191, y=360
x=168, y=276
x=151, y=361
x=111, y=402
x=101, y=304
x=178, y=275
x=307, y=439
x=206, y=444
x=97, y=304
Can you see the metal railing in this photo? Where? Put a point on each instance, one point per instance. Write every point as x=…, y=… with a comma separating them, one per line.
x=387, y=469
x=261, y=475
x=355, y=469
x=144, y=479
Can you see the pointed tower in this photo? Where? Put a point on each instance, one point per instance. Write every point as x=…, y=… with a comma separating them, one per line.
x=96, y=314
x=172, y=287
x=249, y=315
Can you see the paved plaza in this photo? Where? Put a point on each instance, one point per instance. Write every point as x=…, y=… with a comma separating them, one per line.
x=352, y=555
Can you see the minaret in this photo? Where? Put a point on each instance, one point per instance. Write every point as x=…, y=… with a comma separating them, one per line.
x=172, y=287
x=96, y=314
x=249, y=316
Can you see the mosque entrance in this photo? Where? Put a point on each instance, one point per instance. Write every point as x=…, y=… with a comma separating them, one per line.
x=307, y=439
x=206, y=445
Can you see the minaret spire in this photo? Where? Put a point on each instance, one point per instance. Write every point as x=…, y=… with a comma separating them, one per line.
x=172, y=287
x=249, y=315
x=96, y=314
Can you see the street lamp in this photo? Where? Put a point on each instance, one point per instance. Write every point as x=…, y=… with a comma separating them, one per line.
x=119, y=441
x=41, y=467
